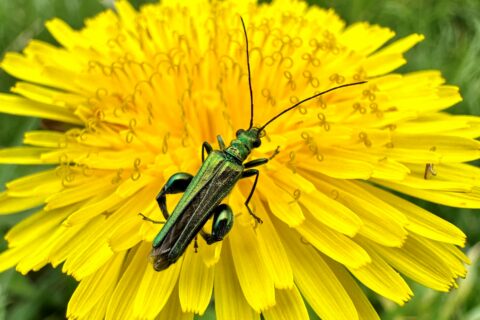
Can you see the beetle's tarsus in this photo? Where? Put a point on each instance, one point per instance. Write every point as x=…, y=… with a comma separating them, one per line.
x=257, y=219
x=144, y=217
x=277, y=151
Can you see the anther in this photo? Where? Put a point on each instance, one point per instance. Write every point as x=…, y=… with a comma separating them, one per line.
x=334, y=194
x=118, y=177
x=137, y=162
x=364, y=137
x=135, y=175
x=86, y=170
x=129, y=137
x=323, y=121
x=165, y=143
x=358, y=107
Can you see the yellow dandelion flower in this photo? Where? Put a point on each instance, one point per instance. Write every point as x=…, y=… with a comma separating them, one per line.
x=135, y=94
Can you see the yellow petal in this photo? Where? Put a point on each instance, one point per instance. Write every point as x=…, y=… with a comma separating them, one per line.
x=331, y=213
x=58, y=57
x=333, y=244
x=453, y=257
x=10, y=257
x=93, y=288
x=256, y=283
x=230, y=303
x=126, y=233
x=64, y=34
x=89, y=261
x=82, y=192
x=81, y=260
x=40, y=230
x=459, y=172
x=24, y=68
x=46, y=95
x=366, y=38
x=172, y=309
x=390, y=169
x=98, y=312
x=122, y=298
x=44, y=138
x=363, y=306
x=289, y=305
x=156, y=290
x=195, y=285
x=381, y=222
x=316, y=280
x=273, y=253
x=129, y=187
x=293, y=181
x=382, y=278
x=10, y=205
x=402, y=45
x=446, y=148
x=429, y=99
x=453, y=199
x=128, y=227
x=89, y=211
x=338, y=167
x=419, y=262
x=41, y=183
x=441, y=124
x=441, y=183
x=379, y=64
x=280, y=202
x=211, y=253
x=36, y=259
x=421, y=221
x=37, y=224
x=25, y=155
x=16, y=105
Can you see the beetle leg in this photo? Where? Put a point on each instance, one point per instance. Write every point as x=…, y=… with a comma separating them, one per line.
x=206, y=146
x=221, y=225
x=195, y=244
x=220, y=142
x=246, y=174
x=177, y=183
x=144, y=217
x=274, y=153
x=260, y=161
x=254, y=163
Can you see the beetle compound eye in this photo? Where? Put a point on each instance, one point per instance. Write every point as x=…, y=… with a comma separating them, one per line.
x=257, y=143
x=239, y=132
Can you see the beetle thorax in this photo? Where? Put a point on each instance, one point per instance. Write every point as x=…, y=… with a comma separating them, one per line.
x=241, y=147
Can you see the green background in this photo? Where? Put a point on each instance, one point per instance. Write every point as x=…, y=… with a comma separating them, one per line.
x=452, y=45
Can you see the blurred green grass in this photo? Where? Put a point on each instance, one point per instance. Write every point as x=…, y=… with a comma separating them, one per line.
x=452, y=45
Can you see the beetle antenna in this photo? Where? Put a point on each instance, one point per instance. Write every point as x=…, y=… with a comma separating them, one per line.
x=249, y=76
x=306, y=99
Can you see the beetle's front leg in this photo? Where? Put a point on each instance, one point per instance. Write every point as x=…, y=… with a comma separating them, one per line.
x=206, y=147
x=221, y=225
x=246, y=174
x=256, y=173
x=221, y=143
x=177, y=183
x=260, y=161
x=275, y=152
x=254, y=163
